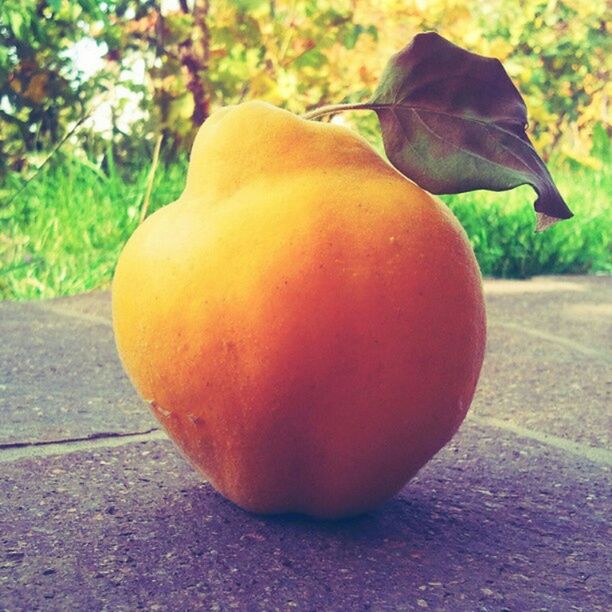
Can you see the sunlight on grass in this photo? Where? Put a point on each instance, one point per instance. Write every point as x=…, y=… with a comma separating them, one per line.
x=63, y=234
x=501, y=228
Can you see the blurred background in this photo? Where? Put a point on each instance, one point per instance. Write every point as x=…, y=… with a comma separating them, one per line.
x=100, y=100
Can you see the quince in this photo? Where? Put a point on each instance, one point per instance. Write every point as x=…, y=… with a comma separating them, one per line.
x=307, y=324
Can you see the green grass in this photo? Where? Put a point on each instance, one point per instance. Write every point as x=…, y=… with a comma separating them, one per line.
x=63, y=233
x=501, y=227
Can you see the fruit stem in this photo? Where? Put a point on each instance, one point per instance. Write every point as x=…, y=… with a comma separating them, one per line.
x=328, y=109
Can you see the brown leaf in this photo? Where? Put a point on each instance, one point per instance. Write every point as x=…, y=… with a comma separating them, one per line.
x=453, y=121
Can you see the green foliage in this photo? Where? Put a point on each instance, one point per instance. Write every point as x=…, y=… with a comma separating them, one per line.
x=199, y=55
x=557, y=51
x=64, y=234
x=500, y=227
x=40, y=92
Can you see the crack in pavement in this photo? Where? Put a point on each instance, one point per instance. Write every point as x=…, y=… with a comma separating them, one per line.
x=21, y=450
x=36, y=450
x=561, y=340
x=32, y=450
x=94, y=436
x=592, y=453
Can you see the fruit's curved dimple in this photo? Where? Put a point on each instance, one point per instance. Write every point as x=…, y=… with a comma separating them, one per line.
x=308, y=324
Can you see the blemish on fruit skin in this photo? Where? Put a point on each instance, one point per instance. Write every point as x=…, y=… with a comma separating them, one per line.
x=157, y=408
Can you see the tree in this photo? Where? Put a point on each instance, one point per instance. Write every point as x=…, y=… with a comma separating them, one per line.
x=199, y=55
x=39, y=89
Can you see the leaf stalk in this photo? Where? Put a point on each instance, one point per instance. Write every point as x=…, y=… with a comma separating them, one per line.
x=330, y=109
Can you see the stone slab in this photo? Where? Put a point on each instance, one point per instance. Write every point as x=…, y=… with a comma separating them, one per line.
x=497, y=521
x=60, y=378
x=492, y=523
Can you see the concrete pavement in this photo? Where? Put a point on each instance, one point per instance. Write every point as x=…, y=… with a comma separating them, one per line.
x=98, y=511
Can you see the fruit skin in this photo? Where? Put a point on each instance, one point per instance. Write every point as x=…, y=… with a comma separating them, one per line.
x=307, y=324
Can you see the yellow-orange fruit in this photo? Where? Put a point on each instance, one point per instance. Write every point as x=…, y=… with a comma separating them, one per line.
x=306, y=323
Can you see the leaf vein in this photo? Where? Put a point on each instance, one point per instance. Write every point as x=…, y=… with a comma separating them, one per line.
x=468, y=151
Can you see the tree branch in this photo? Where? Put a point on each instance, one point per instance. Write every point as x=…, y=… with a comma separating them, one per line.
x=55, y=149
x=196, y=63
